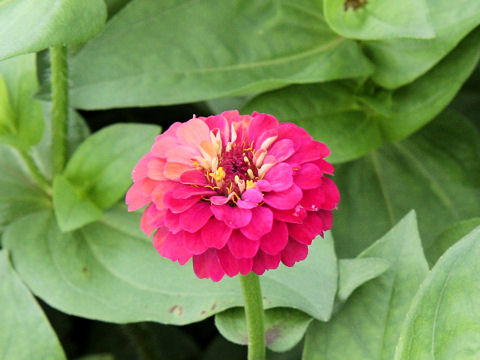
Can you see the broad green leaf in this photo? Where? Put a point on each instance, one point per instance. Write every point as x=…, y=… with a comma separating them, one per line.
x=29, y=26
x=369, y=324
x=108, y=270
x=17, y=87
x=406, y=109
x=330, y=112
x=24, y=329
x=190, y=50
x=353, y=273
x=310, y=286
x=374, y=20
x=101, y=166
x=351, y=122
x=449, y=237
x=97, y=357
x=400, y=61
x=19, y=195
x=432, y=172
x=443, y=321
x=72, y=209
x=284, y=328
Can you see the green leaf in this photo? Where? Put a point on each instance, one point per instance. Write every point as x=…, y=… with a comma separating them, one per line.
x=72, y=209
x=351, y=122
x=374, y=20
x=408, y=108
x=186, y=54
x=355, y=272
x=309, y=286
x=431, y=172
x=330, y=112
x=284, y=328
x=449, y=237
x=25, y=331
x=369, y=324
x=25, y=122
x=443, y=321
x=101, y=166
x=19, y=195
x=29, y=26
x=400, y=61
x=109, y=271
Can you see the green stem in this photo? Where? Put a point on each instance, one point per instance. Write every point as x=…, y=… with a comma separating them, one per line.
x=59, y=68
x=254, y=314
x=41, y=181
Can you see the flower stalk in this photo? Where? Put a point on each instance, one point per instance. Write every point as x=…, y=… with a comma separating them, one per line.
x=254, y=314
x=59, y=68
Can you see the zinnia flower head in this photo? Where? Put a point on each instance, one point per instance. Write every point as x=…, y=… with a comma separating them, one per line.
x=235, y=193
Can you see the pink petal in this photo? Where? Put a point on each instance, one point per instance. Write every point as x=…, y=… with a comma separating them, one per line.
x=262, y=262
x=156, y=168
x=306, y=232
x=314, y=199
x=219, y=122
x=194, y=177
x=219, y=200
x=163, y=143
x=294, y=252
x=232, y=216
x=207, y=265
x=270, y=135
x=280, y=177
x=332, y=196
x=324, y=166
x=295, y=215
x=193, y=132
x=215, y=233
x=232, y=265
x=161, y=189
x=196, y=217
x=186, y=191
x=282, y=149
x=263, y=186
x=140, y=170
x=284, y=200
x=182, y=154
x=241, y=247
x=136, y=198
x=173, y=171
x=308, y=176
x=262, y=220
x=260, y=124
x=250, y=199
x=194, y=243
x=171, y=246
x=295, y=133
x=309, y=151
x=276, y=240
x=152, y=219
x=172, y=222
x=179, y=205
x=327, y=219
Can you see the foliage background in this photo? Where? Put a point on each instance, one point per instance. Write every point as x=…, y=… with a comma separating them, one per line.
x=393, y=91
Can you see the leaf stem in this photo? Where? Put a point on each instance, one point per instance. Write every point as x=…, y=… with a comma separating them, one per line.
x=254, y=314
x=41, y=181
x=59, y=68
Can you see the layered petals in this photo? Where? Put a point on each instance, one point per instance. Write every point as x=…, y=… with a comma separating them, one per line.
x=234, y=193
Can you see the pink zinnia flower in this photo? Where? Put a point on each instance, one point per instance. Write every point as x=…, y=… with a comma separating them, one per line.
x=236, y=193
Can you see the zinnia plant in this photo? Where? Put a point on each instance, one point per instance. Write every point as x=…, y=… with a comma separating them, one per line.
x=236, y=194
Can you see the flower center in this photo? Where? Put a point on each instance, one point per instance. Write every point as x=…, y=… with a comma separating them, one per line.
x=236, y=170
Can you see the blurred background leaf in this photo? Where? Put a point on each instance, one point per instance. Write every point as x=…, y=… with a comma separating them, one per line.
x=24, y=330
x=29, y=26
